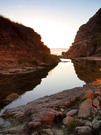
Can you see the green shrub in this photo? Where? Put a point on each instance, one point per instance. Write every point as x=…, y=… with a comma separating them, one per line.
x=49, y=58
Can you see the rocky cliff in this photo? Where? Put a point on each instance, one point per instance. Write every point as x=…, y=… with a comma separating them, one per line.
x=21, y=46
x=88, y=39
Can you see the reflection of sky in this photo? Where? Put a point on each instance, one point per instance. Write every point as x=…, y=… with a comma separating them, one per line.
x=62, y=77
x=56, y=20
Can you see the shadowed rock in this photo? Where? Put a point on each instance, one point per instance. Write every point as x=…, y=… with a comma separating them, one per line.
x=88, y=39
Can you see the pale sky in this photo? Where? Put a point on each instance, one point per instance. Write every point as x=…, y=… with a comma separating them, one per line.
x=57, y=21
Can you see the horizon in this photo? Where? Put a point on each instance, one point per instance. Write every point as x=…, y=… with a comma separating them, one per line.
x=56, y=21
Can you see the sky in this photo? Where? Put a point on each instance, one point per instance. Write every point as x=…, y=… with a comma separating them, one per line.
x=57, y=21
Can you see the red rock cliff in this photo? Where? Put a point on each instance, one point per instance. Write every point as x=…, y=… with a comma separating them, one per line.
x=21, y=46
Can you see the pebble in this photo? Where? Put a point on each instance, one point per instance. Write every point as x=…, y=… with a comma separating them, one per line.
x=48, y=131
x=72, y=112
x=84, y=130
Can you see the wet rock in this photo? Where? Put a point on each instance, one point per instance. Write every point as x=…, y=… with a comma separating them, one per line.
x=83, y=130
x=72, y=112
x=68, y=121
x=85, y=108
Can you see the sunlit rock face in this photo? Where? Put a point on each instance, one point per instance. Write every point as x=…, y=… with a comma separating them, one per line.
x=88, y=39
x=21, y=46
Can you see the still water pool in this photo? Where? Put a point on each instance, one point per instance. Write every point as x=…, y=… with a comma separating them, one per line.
x=60, y=78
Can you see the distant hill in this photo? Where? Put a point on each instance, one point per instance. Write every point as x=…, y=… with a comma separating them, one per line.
x=88, y=39
x=21, y=46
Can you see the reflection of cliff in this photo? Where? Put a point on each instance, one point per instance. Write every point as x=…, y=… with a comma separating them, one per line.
x=20, y=83
x=88, y=71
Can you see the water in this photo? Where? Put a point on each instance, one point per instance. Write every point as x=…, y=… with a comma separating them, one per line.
x=66, y=75
x=58, y=51
x=62, y=77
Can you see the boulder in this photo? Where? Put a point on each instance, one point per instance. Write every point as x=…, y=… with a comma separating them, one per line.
x=83, y=130
x=68, y=121
x=85, y=108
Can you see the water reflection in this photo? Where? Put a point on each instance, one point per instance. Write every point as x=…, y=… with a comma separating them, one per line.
x=31, y=86
x=20, y=83
x=87, y=70
x=60, y=78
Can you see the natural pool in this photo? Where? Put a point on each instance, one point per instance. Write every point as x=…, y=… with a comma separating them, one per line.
x=66, y=75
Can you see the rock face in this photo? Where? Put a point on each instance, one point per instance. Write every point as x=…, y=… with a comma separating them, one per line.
x=21, y=46
x=88, y=39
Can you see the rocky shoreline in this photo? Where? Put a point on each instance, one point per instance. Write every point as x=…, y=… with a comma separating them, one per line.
x=67, y=112
x=24, y=69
